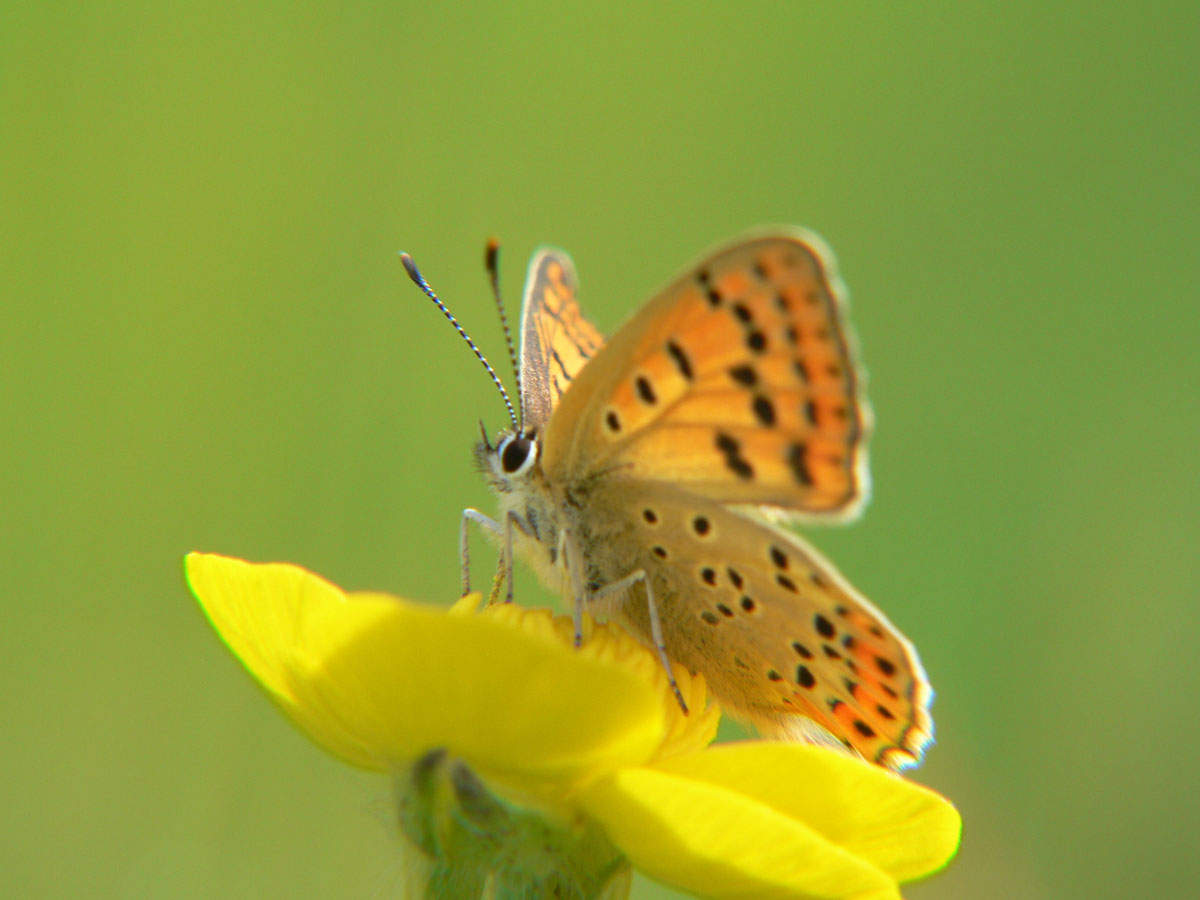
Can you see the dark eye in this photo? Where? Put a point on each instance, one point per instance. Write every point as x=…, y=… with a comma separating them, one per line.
x=516, y=454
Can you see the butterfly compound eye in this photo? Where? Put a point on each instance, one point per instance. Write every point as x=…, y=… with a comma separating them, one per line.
x=517, y=454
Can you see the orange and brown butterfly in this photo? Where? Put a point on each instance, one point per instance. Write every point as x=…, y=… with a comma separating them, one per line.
x=646, y=472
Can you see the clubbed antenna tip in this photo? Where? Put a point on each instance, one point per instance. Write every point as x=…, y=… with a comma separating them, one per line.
x=411, y=268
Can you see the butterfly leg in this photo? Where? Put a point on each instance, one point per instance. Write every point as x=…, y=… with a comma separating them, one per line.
x=655, y=625
x=510, y=520
x=497, y=580
x=473, y=515
x=569, y=554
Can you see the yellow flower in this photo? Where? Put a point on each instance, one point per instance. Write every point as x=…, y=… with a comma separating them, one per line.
x=519, y=757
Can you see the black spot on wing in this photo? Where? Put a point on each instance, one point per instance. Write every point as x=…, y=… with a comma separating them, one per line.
x=797, y=459
x=731, y=449
x=681, y=360
x=824, y=626
x=706, y=285
x=744, y=375
x=764, y=411
x=645, y=390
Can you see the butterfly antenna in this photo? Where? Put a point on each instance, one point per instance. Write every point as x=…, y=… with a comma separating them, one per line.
x=491, y=259
x=415, y=274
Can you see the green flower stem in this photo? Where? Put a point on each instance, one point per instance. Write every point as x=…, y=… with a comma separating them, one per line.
x=477, y=846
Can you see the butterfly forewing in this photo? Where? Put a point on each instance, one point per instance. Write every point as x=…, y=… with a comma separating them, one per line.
x=738, y=382
x=556, y=340
x=777, y=632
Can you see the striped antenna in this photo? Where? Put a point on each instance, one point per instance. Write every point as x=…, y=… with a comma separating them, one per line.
x=491, y=259
x=415, y=274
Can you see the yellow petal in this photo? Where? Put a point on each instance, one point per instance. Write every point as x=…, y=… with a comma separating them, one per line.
x=902, y=827
x=712, y=841
x=379, y=681
x=233, y=596
x=612, y=645
x=775, y=820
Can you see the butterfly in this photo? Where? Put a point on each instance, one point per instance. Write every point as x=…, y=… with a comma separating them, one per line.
x=648, y=472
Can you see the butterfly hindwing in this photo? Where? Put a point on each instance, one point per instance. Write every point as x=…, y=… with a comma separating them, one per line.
x=556, y=340
x=778, y=633
x=738, y=382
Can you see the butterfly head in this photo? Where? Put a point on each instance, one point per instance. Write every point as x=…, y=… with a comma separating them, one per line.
x=511, y=461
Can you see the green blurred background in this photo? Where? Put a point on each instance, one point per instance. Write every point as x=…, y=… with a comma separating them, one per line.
x=209, y=343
